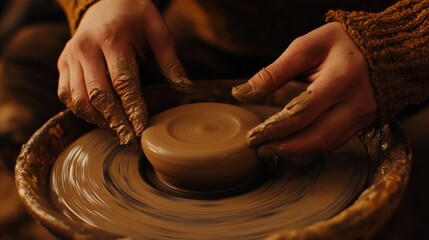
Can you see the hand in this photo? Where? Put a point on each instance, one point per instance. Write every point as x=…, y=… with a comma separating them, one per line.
x=337, y=104
x=99, y=73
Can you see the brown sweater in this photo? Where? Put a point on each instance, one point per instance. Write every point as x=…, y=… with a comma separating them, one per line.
x=395, y=41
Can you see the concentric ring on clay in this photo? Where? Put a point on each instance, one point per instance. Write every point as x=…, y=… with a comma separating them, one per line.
x=99, y=183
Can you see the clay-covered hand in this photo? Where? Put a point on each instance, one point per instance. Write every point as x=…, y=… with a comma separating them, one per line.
x=337, y=104
x=99, y=72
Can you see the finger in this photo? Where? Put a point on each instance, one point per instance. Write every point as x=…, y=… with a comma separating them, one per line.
x=162, y=45
x=96, y=83
x=124, y=77
x=286, y=121
x=79, y=102
x=95, y=94
x=327, y=133
x=71, y=88
x=78, y=98
x=63, y=90
x=298, y=113
x=302, y=55
x=100, y=97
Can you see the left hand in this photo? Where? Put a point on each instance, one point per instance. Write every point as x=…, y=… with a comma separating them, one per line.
x=337, y=104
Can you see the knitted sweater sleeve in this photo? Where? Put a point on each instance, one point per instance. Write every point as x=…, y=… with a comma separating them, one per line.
x=74, y=10
x=395, y=43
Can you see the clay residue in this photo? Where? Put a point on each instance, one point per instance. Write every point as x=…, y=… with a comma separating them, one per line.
x=257, y=135
x=114, y=115
x=299, y=103
x=126, y=83
x=242, y=92
x=98, y=183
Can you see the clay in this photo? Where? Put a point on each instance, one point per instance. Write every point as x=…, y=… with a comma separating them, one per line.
x=126, y=83
x=112, y=112
x=256, y=135
x=242, y=92
x=202, y=146
x=358, y=220
x=96, y=173
x=175, y=75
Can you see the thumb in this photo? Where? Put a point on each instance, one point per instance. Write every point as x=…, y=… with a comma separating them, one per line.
x=262, y=84
x=303, y=54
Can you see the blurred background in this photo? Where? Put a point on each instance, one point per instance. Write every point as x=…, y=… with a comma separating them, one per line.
x=15, y=223
x=409, y=221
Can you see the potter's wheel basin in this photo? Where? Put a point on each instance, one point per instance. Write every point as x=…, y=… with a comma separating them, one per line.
x=391, y=158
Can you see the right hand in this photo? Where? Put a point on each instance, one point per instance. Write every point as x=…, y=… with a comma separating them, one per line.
x=339, y=102
x=99, y=75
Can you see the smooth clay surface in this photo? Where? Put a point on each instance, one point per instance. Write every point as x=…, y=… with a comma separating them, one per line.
x=98, y=183
x=202, y=146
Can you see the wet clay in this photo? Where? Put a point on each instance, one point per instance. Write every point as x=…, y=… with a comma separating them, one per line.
x=202, y=146
x=99, y=183
x=126, y=82
x=298, y=104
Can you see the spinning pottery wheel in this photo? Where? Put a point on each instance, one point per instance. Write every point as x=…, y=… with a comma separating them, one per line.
x=345, y=194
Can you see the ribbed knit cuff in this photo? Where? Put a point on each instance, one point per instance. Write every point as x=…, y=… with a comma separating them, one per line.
x=395, y=43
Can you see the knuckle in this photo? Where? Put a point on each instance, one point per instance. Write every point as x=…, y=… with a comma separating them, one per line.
x=96, y=95
x=299, y=42
x=125, y=75
x=164, y=32
x=80, y=104
x=122, y=82
x=62, y=63
x=82, y=44
x=91, y=83
x=63, y=95
x=109, y=33
x=306, y=49
x=267, y=76
x=99, y=98
x=83, y=111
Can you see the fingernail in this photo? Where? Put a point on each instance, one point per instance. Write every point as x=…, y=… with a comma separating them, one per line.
x=242, y=92
x=266, y=151
x=125, y=136
x=254, y=138
x=183, y=84
x=129, y=140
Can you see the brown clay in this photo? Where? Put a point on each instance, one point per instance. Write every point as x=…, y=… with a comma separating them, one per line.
x=298, y=104
x=239, y=217
x=96, y=173
x=202, y=146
